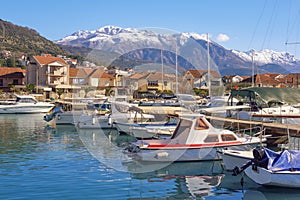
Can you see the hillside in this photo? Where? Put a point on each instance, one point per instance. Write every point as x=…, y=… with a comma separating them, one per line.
x=24, y=40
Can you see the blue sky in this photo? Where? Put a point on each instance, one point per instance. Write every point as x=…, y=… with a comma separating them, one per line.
x=244, y=24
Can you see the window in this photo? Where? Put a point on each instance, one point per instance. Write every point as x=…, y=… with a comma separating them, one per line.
x=1, y=82
x=15, y=82
x=153, y=83
x=228, y=137
x=200, y=124
x=211, y=138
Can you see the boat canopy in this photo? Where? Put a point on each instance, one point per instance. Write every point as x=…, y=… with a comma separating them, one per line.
x=286, y=160
x=264, y=95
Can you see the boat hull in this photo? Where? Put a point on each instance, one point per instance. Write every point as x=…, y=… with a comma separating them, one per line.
x=178, y=155
x=235, y=158
x=266, y=177
x=185, y=154
x=26, y=109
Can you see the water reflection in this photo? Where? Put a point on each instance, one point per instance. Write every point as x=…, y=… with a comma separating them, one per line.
x=37, y=158
x=191, y=179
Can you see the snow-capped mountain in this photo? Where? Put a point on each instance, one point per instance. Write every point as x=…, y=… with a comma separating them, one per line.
x=191, y=46
x=123, y=40
x=267, y=56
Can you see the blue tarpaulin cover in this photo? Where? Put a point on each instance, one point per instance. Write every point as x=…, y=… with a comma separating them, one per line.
x=287, y=160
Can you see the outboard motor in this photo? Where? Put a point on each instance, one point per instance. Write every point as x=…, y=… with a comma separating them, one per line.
x=260, y=160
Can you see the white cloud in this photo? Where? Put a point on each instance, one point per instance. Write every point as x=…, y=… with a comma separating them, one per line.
x=223, y=37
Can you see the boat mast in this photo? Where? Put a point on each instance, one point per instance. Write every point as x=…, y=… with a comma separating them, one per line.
x=252, y=59
x=208, y=67
x=176, y=68
x=162, y=71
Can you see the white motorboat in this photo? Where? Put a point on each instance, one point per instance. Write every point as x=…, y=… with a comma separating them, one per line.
x=108, y=118
x=275, y=169
x=24, y=104
x=75, y=111
x=194, y=139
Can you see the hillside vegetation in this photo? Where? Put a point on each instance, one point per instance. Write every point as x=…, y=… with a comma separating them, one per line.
x=18, y=39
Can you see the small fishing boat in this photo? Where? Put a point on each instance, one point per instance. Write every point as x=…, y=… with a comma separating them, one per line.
x=274, y=169
x=194, y=139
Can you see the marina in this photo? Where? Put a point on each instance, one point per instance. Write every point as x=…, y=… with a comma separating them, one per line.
x=149, y=113
x=41, y=161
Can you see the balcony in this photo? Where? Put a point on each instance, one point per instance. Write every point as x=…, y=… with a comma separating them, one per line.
x=56, y=73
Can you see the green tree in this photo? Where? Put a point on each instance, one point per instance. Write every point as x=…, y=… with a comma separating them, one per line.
x=10, y=62
x=12, y=87
x=59, y=92
x=201, y=92
x=30, y=87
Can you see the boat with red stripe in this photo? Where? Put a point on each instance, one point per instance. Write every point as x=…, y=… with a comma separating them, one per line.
x=194, y=139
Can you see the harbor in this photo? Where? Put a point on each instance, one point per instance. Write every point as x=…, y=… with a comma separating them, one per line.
x=45, y=162
x=132, y=100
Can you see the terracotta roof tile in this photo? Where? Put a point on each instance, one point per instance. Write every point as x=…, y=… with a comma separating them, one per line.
x=158, y=76
x=199, y=73
x=99, y=73
x=47, y=59
x=73, y=72
x=9, y=70
x=139, y=75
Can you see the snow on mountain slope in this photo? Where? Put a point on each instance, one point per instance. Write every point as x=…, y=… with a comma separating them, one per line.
x=124, y=40
x=267, y=56
x=120, y=40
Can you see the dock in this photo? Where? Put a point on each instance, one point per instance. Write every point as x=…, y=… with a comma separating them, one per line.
x=279, y=132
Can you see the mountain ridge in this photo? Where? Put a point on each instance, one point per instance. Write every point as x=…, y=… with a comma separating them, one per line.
x=125, y=40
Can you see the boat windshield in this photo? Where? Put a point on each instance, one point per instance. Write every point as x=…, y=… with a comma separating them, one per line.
x=183, y=127
x=26, y=100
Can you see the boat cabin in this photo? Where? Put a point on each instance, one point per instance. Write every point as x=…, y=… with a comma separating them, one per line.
x=197, y=130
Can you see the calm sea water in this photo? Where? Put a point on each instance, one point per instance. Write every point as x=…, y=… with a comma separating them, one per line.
x=39, y=161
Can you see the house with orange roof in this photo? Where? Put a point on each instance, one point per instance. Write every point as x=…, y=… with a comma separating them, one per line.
x=100, y=79
x=293, y=80
x=11, y=76
x=199, y=78
x=268, y=80
x=80, y=76
x=161, y=81
x=137, y=81
x=48, y=71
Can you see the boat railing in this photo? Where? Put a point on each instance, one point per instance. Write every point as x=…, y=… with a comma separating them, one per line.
x=255, y=131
